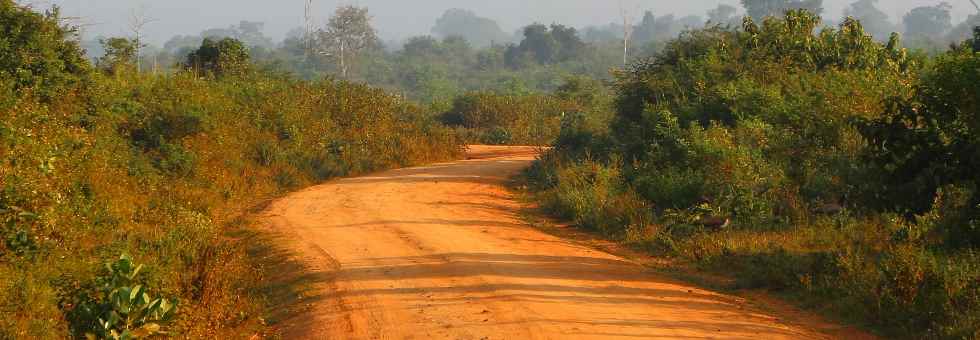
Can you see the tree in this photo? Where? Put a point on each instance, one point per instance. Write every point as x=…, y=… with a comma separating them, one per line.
x=38, y=53
x=137, y=23
x=248, y=32
x=928, y=21
x=547, y=45
x=219, y=57
x=120, y=53
x=347, y=34
x=646, y=31
x=539, y=43
x=930, y=144
x=759, y=9
x=964, y=30
x=873, y=19
x=422, y=46
x=479, y=31
x=976, y=39
x=723, y=15
x=570, y=46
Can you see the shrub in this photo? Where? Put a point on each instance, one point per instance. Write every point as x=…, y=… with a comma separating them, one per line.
x=509, y=119
x=37, y=52
x=161, y=167
x=845, y=168
x=225, y=56
x=120, y=306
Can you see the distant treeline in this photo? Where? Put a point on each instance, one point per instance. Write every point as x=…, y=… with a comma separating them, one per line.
x=467, y=52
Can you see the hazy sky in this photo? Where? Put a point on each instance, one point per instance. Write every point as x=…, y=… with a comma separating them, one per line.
x=396, y=19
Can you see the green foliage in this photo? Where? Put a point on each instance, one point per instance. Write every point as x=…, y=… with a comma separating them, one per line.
x=160, y=166
x=930, y=141
x=120, y=54
x=591, y=195
x=37, y=53
x=929, y=22
x=872, y=18
x=546, y=46
x=509, y=119
x=225, y=56
x=120, y=306
x=976, y=39
x=822, y=164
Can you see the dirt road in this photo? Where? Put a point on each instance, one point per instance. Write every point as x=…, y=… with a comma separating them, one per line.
x=437, y=252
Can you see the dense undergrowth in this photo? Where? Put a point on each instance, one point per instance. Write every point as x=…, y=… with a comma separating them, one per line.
x=101, y=162
x=501, y=118
x=824, y=165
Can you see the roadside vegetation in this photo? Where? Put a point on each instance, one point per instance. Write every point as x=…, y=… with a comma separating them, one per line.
x=826, y=166
x=117, y=188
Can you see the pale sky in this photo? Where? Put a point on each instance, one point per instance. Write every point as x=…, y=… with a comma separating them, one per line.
x=397, y=19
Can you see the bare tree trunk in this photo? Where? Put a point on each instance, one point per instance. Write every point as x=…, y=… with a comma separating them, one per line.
x=137, y=22
x=627, y=34
x=139, y=53
x=343, y=59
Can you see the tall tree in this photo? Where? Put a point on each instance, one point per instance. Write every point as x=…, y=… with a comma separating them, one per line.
x=929, y=22
x=539, y=42
x=873, y=19
x=479, y=31
x=547, y=45
x=219, y=57
x=759, y=9
x=347, y=35
x=723, y=15
x=964, y=30
x=138, y=21
x=570, y=45
x=646, y=30
x=120, y=53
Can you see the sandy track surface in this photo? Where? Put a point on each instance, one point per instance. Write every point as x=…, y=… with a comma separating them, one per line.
x=437, y=252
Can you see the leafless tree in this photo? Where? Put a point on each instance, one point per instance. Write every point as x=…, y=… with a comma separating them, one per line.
x=346, y=35
x=309, y=28
x=627, y=31
x=138, y=20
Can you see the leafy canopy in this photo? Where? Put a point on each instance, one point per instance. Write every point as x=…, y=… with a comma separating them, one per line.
x=38, y=53
x=219, y=57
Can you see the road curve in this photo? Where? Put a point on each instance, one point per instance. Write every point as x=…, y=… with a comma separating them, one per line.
x=437, y=252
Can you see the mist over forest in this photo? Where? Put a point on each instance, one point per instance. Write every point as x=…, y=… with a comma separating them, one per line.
x=398, y=20
x=488, y=33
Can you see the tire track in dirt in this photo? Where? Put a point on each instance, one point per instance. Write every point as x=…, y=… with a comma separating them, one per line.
x=438, y=252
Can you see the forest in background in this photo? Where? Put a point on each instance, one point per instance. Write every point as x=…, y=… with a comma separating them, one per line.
x=468, y=52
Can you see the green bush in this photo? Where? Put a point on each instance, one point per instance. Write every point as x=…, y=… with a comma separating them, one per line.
x=221, y=57
x=818, y=163
x=37, y=53
x=120, y=306
x=509, y=119
x=161, y=167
